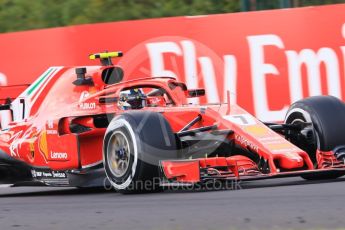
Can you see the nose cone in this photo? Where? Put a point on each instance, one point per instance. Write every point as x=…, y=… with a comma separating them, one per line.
x=290, y=161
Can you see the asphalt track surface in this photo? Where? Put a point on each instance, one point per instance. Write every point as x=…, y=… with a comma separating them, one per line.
x=272, y=204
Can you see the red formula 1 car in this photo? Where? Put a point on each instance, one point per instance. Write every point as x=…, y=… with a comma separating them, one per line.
x=79, y=126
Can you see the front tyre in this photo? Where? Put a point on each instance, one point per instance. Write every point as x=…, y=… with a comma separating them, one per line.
x=327, y=116
x=134, y=144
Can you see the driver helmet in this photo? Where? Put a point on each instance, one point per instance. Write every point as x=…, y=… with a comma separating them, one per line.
x=122, y=102
x=134, y=99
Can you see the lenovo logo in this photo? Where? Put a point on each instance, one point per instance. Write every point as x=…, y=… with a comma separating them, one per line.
x=58, y=155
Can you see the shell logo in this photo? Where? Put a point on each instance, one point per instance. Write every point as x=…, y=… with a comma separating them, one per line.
x=257, y=130
x=42, y=144
x=279, y=146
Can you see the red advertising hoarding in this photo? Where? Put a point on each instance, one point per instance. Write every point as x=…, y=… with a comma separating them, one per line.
x=267, y=59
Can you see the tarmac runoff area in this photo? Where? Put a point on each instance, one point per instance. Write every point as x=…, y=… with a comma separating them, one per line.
x=289, y=203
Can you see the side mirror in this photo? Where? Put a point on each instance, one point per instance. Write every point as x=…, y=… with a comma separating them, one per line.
x=195, y=93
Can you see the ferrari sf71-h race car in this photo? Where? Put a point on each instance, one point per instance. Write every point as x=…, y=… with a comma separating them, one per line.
x=82, y=126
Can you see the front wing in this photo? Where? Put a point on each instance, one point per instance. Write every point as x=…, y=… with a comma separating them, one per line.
x=194, y=171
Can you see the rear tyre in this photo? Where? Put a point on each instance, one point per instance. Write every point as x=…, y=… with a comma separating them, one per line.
x=133, y=145
x=327, y=115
